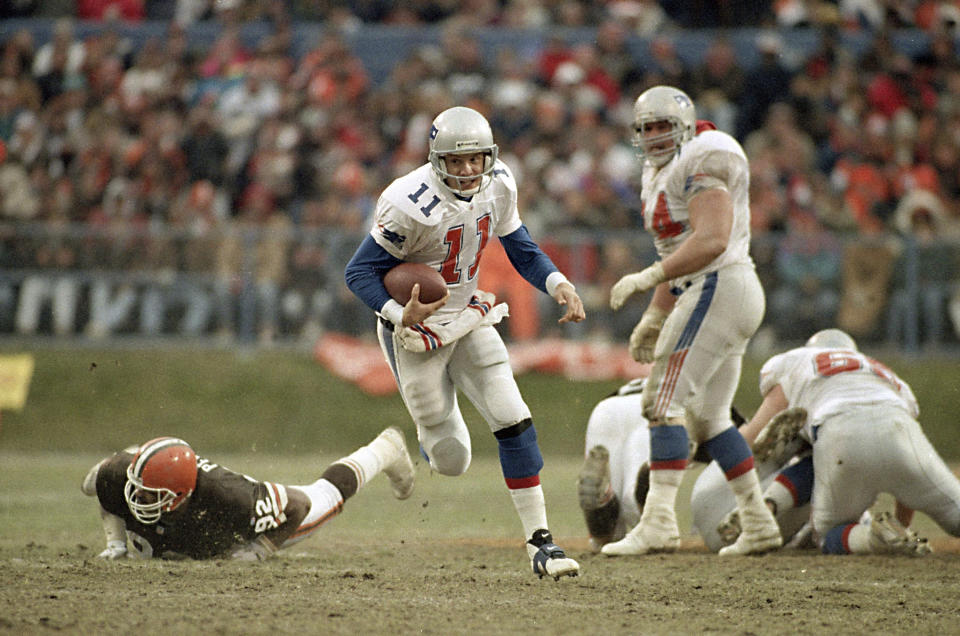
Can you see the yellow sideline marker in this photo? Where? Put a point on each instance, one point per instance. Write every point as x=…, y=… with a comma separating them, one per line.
x=16, y=372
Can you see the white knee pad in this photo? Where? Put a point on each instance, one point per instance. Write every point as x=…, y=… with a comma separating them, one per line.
x=449, y=457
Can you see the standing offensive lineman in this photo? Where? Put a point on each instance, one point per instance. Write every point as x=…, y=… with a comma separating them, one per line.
x=170, y=503
x=707, y=303
x=442, y=214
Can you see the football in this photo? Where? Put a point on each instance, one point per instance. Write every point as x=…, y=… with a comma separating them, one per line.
x=400, y=280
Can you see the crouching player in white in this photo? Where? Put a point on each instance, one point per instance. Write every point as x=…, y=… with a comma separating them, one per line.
x=443, y=214
x=707, y=303
x=613, y=482
x=615, y=477
x=168, y=503
x=861, y=422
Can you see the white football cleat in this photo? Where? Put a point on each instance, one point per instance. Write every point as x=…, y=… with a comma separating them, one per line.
x=548, y=559
x=753, y=543
x=400, y=469
x=889, y=536
x=89, y=485
x=648, y=536
x=759, y=532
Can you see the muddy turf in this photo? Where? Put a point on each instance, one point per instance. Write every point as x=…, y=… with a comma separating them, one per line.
x=446, y=561
x=455, y=587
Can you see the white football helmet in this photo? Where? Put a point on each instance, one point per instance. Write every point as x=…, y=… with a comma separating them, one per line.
x=161, y=476
x=663, y=103
x=832, y=339
x=462, y=130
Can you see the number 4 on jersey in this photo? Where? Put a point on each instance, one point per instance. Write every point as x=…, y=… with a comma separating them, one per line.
x=662, y=223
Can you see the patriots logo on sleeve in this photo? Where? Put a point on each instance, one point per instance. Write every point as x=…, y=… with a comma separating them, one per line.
x=394, y=237
x=697, y=182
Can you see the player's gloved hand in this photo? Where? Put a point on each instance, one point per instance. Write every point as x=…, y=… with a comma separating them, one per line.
x=482, y=310
x=115, y=550
x=631, y=284
x=643, y=340
x=780, y=438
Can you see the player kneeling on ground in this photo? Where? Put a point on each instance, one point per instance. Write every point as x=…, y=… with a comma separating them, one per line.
x=860, y=418
x=170, y=503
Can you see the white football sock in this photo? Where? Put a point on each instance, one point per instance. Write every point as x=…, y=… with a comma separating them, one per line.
x=531, y=508
x=780, y=495
x=662, y=496
x=368, y=460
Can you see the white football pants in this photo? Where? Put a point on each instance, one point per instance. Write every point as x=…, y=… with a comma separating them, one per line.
x=476, y=364
x=698, y=356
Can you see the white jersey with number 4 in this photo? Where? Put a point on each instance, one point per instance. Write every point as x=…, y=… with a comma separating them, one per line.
x=419, y=220
x=827, y=382
x=711, y=159
x=719, y=307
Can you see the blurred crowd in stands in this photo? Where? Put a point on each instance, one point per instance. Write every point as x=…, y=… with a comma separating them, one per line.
x=257, y=170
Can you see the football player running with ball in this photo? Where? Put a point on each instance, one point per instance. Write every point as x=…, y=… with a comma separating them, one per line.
x=443, y=214
x=169, y=503
x=707, y=303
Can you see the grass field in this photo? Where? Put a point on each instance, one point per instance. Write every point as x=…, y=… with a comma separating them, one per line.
x=282, y=402
x=447, y=561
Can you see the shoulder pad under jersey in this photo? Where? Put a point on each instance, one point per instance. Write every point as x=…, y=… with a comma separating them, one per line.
x=417, y=194
x=712, y=140
x=503, y=175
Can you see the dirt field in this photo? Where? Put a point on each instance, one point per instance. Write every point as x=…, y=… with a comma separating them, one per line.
x=444, y=562
x=469, y=587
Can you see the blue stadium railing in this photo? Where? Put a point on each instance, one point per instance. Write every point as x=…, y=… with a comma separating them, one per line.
x=380, y=47
x=92, y=291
